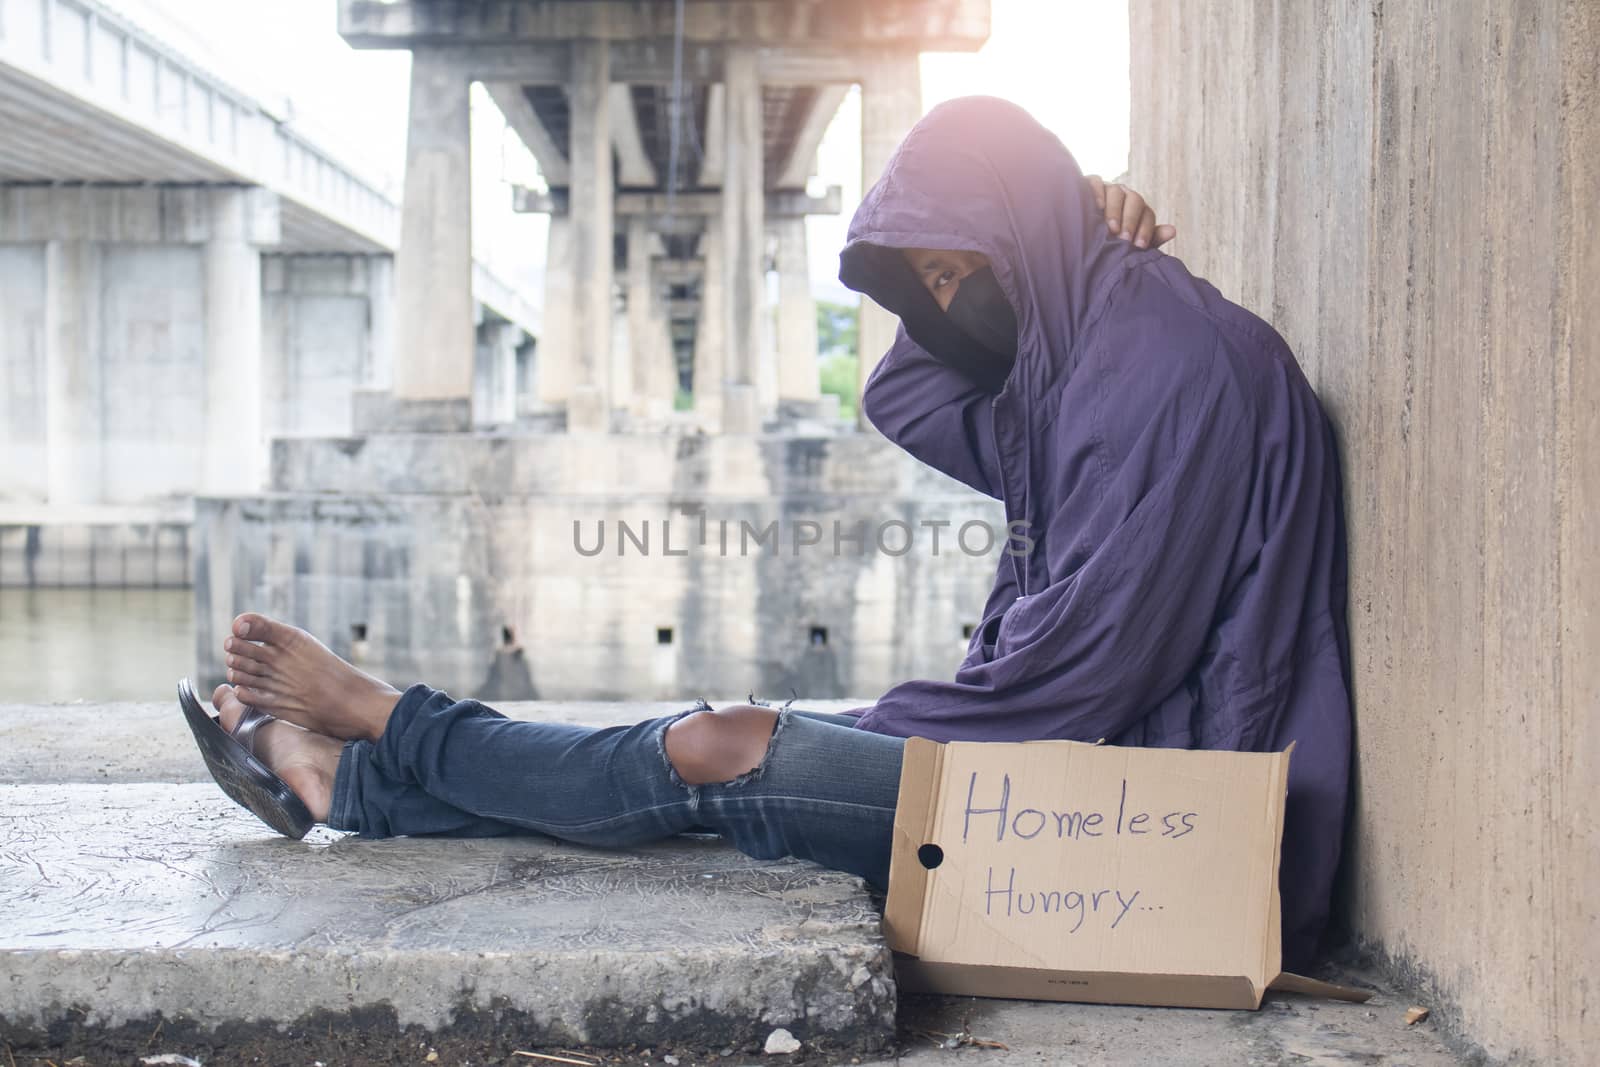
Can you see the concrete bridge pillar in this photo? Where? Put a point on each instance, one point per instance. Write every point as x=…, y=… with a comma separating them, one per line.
x=378, y=369
x=649, y=347
x=433, y=365
x=494, y=400
x=664, y=386
x=235, y=440
x=709, y=345
x=149, y=300
x=743, y=242
x=589, y=403
x=891, y=103
x=557, y=341
x=73, y=400
x=797, y=315
x=327, y=330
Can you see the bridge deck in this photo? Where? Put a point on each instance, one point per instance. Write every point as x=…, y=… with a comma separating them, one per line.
x=86, y=95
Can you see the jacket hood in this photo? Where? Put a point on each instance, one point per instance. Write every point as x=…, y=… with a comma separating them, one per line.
x=980, y=174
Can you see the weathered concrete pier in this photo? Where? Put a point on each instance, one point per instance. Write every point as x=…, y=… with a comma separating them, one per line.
x=809, y=556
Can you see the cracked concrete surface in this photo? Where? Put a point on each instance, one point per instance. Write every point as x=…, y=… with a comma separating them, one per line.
x=129, y=887
x=133, y=900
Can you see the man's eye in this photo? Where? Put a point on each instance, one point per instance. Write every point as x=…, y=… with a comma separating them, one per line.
x=944, y=279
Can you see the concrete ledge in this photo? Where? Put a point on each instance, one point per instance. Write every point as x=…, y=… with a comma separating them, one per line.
x=101, y=744
x=377, y=411
x=95, y=551
x=122, y=905
x=522, y=462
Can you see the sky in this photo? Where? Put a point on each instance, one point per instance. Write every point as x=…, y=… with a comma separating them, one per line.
x=1066, y=61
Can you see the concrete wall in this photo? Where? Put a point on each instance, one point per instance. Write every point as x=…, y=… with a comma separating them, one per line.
x=320, y=337
x=147, y=346
x=1406, y=190
x=153, y=371
x=22, y=373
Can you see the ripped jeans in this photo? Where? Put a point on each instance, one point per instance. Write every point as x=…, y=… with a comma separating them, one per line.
x=825, y=791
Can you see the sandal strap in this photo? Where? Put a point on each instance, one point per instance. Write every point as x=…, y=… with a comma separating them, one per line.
x=244, y=731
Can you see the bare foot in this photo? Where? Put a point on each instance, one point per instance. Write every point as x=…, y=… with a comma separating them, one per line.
x=307, y=762
x=284, y=671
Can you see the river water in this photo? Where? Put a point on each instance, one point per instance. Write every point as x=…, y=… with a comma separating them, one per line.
x=61, y=645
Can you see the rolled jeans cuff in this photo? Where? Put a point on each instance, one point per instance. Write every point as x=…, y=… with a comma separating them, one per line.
x=344, y=810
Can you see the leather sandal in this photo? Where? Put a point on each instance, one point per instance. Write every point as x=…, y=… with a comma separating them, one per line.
x=232, y=761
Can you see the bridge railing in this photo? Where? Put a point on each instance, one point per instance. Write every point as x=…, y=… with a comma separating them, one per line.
x=91, y=54
x=151, y=97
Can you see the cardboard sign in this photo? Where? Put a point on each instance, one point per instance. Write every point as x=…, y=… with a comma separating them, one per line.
x=1056, y=870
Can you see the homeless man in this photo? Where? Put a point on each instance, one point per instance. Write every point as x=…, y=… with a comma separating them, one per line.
x=1186, y=588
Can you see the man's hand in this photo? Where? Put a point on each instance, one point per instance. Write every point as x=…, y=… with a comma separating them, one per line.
x=1128, y=216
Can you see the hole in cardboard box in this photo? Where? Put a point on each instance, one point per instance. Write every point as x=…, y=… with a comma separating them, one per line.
x=663, y=635
x=930, y=856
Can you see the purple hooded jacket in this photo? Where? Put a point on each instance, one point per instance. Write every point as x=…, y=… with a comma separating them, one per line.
x=1180, y=482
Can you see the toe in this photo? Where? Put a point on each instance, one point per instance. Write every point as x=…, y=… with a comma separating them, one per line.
x=229, y=707
x=253, y=626
x=253, y=695
x=267, y=632
x=245, y=660
x=242, y=677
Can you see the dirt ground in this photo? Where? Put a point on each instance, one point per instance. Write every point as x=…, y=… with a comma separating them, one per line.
x=299, y=1048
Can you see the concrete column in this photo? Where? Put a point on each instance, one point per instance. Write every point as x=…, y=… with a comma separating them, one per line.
x=235, y=453
x=767, y=358
x=589, y=406
x=378, y=367
x=891, y=103
x=434, y=356
x=644, y=348
x=797, y=315
x=494, y=400
x=709, y=344
x=557, y=344
x=663, y=388
x=621, y=371
x=326, y=325
x=743, y=241
x=73, y=401
x=527, y=374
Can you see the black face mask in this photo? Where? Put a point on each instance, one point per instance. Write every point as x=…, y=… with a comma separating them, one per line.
x=981, y=310
x=883, y=274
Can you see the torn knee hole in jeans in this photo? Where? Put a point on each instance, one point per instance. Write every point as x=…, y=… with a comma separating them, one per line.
x=754, y=773
x=751, y=775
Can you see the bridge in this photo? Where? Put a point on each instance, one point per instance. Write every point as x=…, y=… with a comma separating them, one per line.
x=192, y=285
x=626, y=106
x=170, y=247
